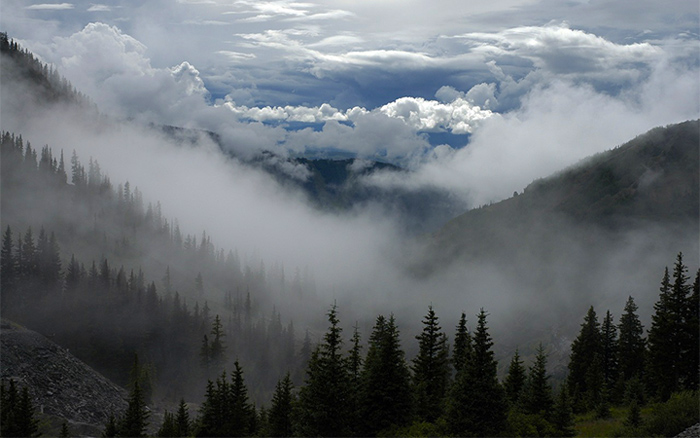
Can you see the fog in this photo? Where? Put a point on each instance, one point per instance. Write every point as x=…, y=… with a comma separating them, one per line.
x=360, y=258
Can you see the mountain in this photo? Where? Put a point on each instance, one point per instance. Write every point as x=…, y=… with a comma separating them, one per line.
x=648, y=183
x=60, y=385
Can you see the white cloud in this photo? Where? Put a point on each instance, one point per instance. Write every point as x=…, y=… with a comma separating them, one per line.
x=99, y=8
x=51, y=7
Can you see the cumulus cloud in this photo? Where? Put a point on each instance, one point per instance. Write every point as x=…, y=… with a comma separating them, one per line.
x=556, y=125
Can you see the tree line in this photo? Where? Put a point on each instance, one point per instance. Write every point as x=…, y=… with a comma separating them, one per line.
x=456, y=391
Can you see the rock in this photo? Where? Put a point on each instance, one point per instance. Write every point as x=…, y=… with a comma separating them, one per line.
x=60, y=384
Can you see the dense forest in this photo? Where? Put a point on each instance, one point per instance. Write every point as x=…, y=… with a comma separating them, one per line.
x=200, y=330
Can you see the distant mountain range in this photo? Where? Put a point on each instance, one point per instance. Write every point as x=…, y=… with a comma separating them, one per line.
x=651, y=181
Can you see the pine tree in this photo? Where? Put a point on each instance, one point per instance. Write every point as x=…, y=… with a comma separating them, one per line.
x=563, y=415
x=386, y=396
x=241, y=414
x=280, y=415
x=431, y=370
x=182, y=420
x=477, y=405
x=354, y=366
x=110, y=428
x=631, y=343
x=584, y=362
x=691, y=357
x=323, y=400
x=463, y=345
x=135, y=420
x=168, y=428
x=538, y=394
x=7, y=261
x=515, y=380
x=209, y=421
x=671, y=337
x=65, y=433
x=609, y=351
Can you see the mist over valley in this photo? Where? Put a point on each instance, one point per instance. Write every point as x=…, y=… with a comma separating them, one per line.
x=287, y=222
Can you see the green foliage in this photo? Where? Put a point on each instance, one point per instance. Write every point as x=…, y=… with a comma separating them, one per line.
x=477, y=405
x=279, y=418
x=538, y=392
x=563, y=414
x=386, y=396
x=431, y=370
x=462, y=346
x=17, y=412
x=631, y=343
x=515, y=380
x=678, y=413
x=585, y=366
x=135, y=420
x=65, y=433
x=323, y=402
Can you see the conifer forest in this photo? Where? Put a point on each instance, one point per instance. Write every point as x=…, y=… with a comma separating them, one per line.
x=211, y=340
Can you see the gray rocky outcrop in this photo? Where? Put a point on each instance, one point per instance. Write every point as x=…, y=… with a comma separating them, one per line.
x=60, y=384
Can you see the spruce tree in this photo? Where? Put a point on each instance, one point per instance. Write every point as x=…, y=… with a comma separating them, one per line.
x=279, y=417
x=182, y=420
x=515, y=380
x=463, y=345
x=563, y=414
x=584, y=363
x=431, y=370
x=538, y=394
x=323, y=400
x=609, y=348
x=386, y=393
x=631, y=343
x=477, y=405
x=241, y=414
x=135, y=420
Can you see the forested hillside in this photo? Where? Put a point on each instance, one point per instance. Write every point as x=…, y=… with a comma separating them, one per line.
x=226, y=344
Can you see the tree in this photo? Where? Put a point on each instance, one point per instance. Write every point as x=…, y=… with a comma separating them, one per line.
x=280, y=414
x=323, y=400
x=671, y=336
x=17, y=412
x=168, y=428
x=354, y=366
x=217, y=349
x=477, y=405
x=431, y=370
x=65, y=433
x=631, y=343
x=7, y=261
x=240, y=417
x=463, y=345
x=386, y=394
x=110, y=428
x=182, y=420
x=135, y=420
x=515, y=380
x=609, y=346
x=538, y=393
x=563, y=414
x=585, y=362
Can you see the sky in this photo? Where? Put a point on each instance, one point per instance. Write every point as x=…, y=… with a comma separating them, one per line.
x=476, y=98
x=531, y=86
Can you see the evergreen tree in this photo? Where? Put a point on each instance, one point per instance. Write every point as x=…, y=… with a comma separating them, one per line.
x=182, y=420
x=691, y=356
x=168, y=428
x=65, y=433
x=563, y=415
x=110, y=428
x=515, y=380
x=209, y=420
x=217, y=349
x=463, y=345
x=631, y=343
x=280, y=415
x=386, y=394
x=584, y=362
x=354, y=365
x=609, y=351
x=431, y=370
x=17, y=412
x=538, y=394
x=240, y=416
x=477, y=405
x=7, y=261
x=135, y=420
x=323, y=400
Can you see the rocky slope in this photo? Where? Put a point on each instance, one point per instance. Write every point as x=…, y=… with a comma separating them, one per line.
x=61, y=386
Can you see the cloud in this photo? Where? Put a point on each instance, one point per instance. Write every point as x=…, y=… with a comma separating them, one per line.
x=557, y=124
x=50, y=7
x=99, y=8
